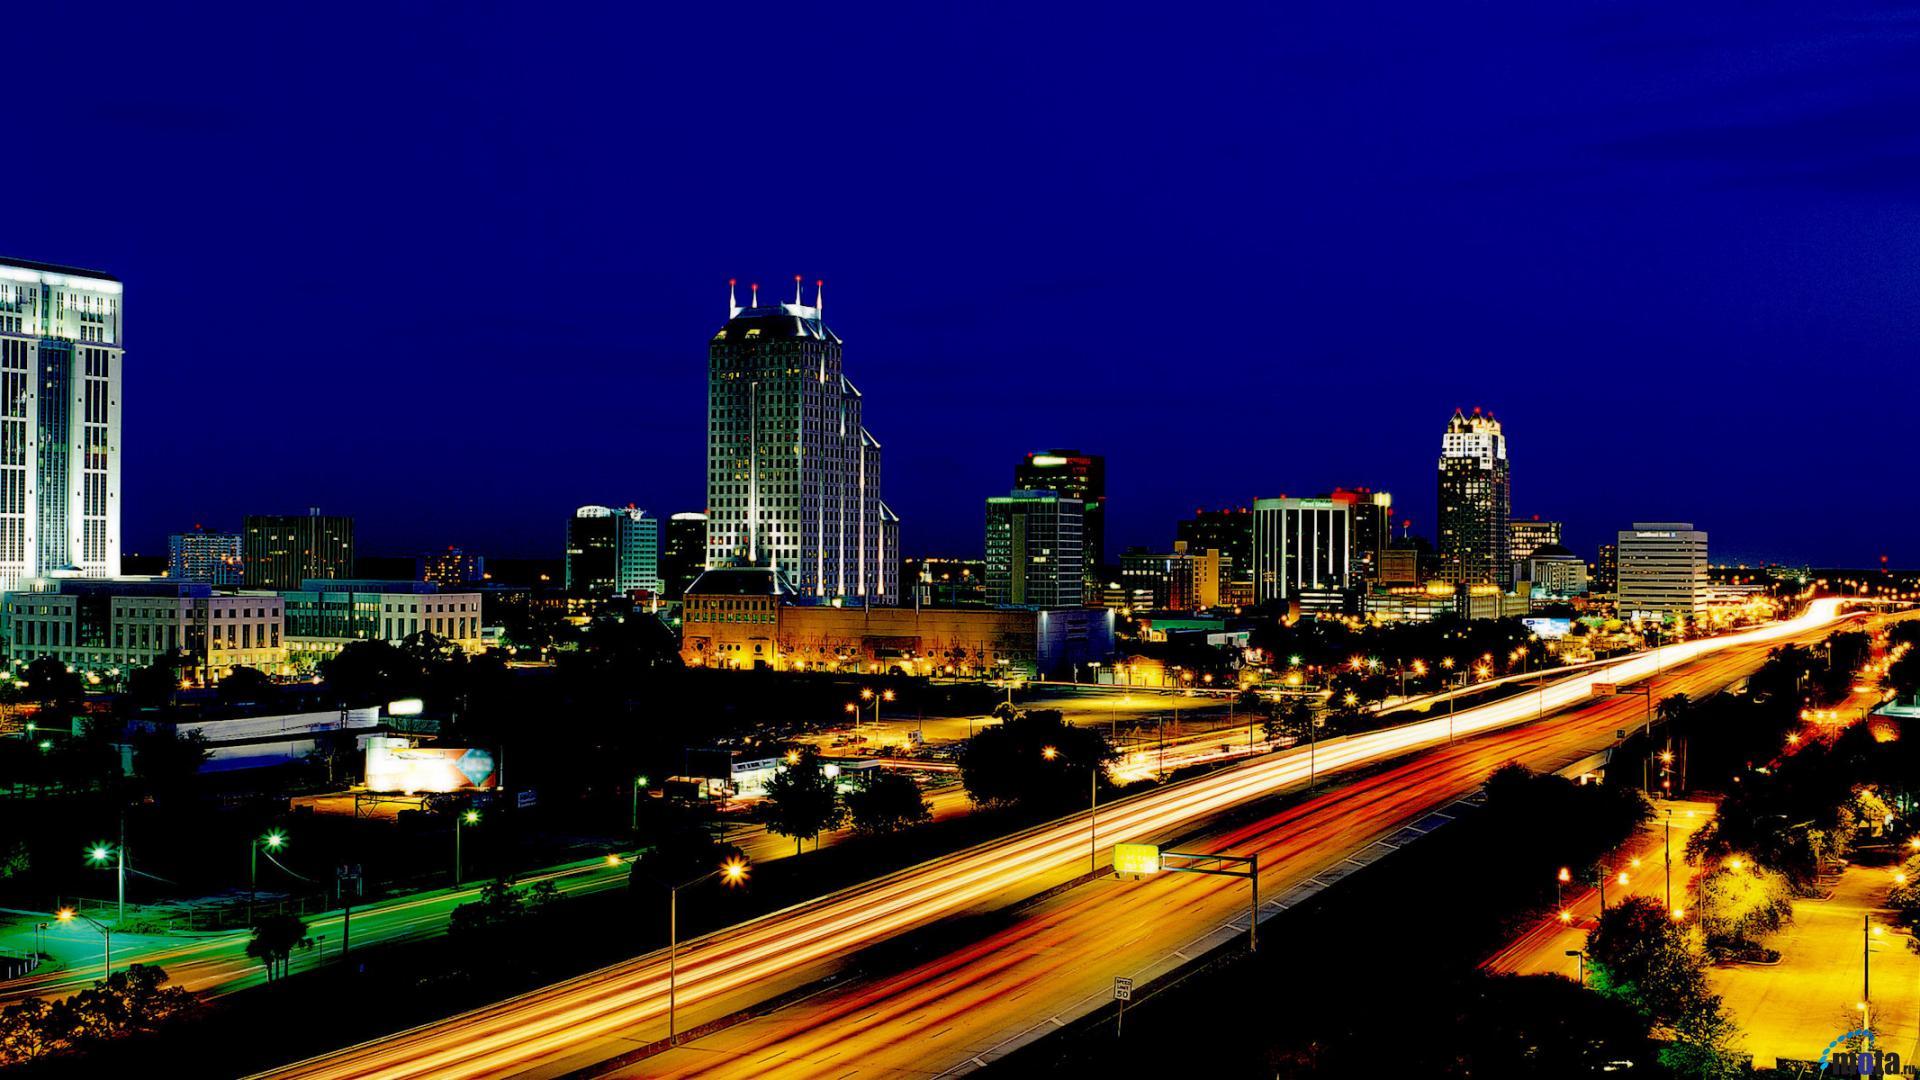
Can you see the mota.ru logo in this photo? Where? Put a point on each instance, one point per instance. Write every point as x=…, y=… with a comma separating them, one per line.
x=1868, y=1060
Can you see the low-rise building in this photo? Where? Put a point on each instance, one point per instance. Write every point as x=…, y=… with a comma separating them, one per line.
x=97, y=626
x=751, y=617
x=325, y=614
x=1556, y=572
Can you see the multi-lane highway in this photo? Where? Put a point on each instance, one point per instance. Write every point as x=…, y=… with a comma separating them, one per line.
x=990, y=992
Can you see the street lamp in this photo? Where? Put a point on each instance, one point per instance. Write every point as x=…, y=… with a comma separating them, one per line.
x=106, y=938
x=470, y=817
x=733, y=872
x=273, y=841
x=639, y=784
x=101, y=854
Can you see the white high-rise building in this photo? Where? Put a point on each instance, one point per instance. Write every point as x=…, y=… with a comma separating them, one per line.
x=1301, y=545
x=793, y=478
x=1662, y=570
x=60, y=350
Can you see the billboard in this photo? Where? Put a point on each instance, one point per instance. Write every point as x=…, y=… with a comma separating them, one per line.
x=410, y=769
x=1548, y=629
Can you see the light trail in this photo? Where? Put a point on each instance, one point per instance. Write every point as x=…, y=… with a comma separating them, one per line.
x=548, y=1024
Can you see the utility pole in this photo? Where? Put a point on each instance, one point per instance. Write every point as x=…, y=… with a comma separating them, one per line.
x=1669, y=847
x=122, y=870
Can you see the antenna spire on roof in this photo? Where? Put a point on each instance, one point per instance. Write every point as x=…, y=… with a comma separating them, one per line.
x=820, y=298
x=733, y=305
x=755, y=287
x=796, y=290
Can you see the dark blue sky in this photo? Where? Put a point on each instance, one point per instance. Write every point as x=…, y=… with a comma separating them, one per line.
x=453, y=270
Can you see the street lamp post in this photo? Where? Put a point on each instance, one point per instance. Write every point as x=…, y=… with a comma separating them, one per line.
x=1669, y=855
x=99, y=854
x=639, y=782
x=106, y=938
x=470, y=817
x=733, y=870
x=272, y=840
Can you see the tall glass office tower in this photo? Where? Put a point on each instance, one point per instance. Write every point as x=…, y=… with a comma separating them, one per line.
x=60, y=350
x=793, y=477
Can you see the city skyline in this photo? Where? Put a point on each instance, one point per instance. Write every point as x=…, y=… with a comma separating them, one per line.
x=1639, y=295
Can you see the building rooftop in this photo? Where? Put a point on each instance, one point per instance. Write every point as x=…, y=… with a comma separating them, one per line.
x=1553, y=551
x=776, y=321
x=367, y=585
x=741, y=581
x=56, y=268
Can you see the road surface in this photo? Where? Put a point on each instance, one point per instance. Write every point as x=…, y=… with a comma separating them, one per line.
x=1059, y=957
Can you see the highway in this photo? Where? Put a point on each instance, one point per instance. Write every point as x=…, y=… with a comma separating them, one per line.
x=217, y=963
x=991, y=990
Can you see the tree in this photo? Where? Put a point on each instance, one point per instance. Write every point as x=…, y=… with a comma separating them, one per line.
x=1739, y=905
x=168, y=763
x=274, y=939
x=1294, y=721
x=370, y=672
x=249, y=685
x=802, y=801
x=887, y=801
x=1640, y=954
x=1903, y=675
x=155, y=684
x=26, y=1031
x=498, y=906
x=1674, y=707
x=49, y=682
x=1036, y=759
x=124, y=1003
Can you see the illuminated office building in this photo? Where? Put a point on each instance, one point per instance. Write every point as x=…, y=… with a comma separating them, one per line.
x=793, y=475
x=60, y=355
x=1475, y=503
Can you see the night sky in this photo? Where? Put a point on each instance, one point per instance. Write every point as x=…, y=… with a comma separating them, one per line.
x=454, y=271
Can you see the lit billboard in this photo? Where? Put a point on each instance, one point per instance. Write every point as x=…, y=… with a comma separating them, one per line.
x=1549, y=629
x=409, y=769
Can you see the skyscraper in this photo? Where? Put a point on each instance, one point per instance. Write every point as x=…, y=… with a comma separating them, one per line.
x=1475, y=502
x=213, y=558
x=793, y=478
x=684, y=553
x=284, y=550
x=1077, y=476
x=60, y=353
x=1034, y=550
x=612, y=551
x=1372, y=526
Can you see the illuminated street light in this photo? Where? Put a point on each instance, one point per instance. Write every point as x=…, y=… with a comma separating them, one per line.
x=732, y=872
x=1049, y=752
x=106, y=938
x=272, y=841
x=102, y=854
